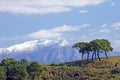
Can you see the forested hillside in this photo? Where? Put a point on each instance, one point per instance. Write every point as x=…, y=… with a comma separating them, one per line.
x=11, y=69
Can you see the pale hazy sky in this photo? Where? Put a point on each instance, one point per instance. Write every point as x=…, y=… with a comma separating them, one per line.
x=74, y=20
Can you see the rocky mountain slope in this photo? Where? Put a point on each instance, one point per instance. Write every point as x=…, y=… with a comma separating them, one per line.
x=42, y=50
x=45, y=51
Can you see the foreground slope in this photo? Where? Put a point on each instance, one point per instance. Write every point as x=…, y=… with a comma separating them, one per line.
x=107, y=69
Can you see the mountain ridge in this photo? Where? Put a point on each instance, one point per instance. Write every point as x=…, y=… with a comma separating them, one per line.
x=46, y=51
x=34, y=43
x=41, y=50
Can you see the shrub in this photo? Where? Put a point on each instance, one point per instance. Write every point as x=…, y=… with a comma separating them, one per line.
x=115, y=71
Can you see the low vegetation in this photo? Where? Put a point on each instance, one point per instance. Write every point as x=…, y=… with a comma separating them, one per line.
x=106, y=69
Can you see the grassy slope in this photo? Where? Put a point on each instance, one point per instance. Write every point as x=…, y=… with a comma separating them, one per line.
x=83, y=70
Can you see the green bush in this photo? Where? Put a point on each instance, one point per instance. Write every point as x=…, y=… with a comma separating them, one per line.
x=3, y=73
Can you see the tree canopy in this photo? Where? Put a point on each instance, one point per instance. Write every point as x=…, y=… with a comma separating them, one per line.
x=95, y=46
x=11, y=69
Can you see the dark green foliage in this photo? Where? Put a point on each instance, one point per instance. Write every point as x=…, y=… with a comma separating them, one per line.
x=95, y=47
x=2, y=73
x=17, y=72
x=52, y=64
x=11, y=69
x=24, y=62
x=83, y=47
x=79, y=63
x=34, y=70
x=57, y=64
x=9, y=62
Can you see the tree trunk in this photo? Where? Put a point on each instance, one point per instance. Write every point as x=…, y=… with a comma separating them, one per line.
x=82, y=56
x=88, y=56
x=98, y=55
x=106, y=54
x=33, y=78
x=93, y=55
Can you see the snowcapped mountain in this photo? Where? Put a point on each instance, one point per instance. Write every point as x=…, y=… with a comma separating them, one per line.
x=42, y=50
x=45, y=51
x=32, y=45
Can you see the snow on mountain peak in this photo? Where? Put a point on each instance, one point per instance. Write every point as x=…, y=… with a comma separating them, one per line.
x=62, y=42
x=58, y=42
x=41, y=50
x=44, y=42
x=21, y=47
x=31, y=45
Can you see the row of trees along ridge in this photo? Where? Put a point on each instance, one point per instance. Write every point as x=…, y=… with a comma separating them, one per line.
x=94, y=47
